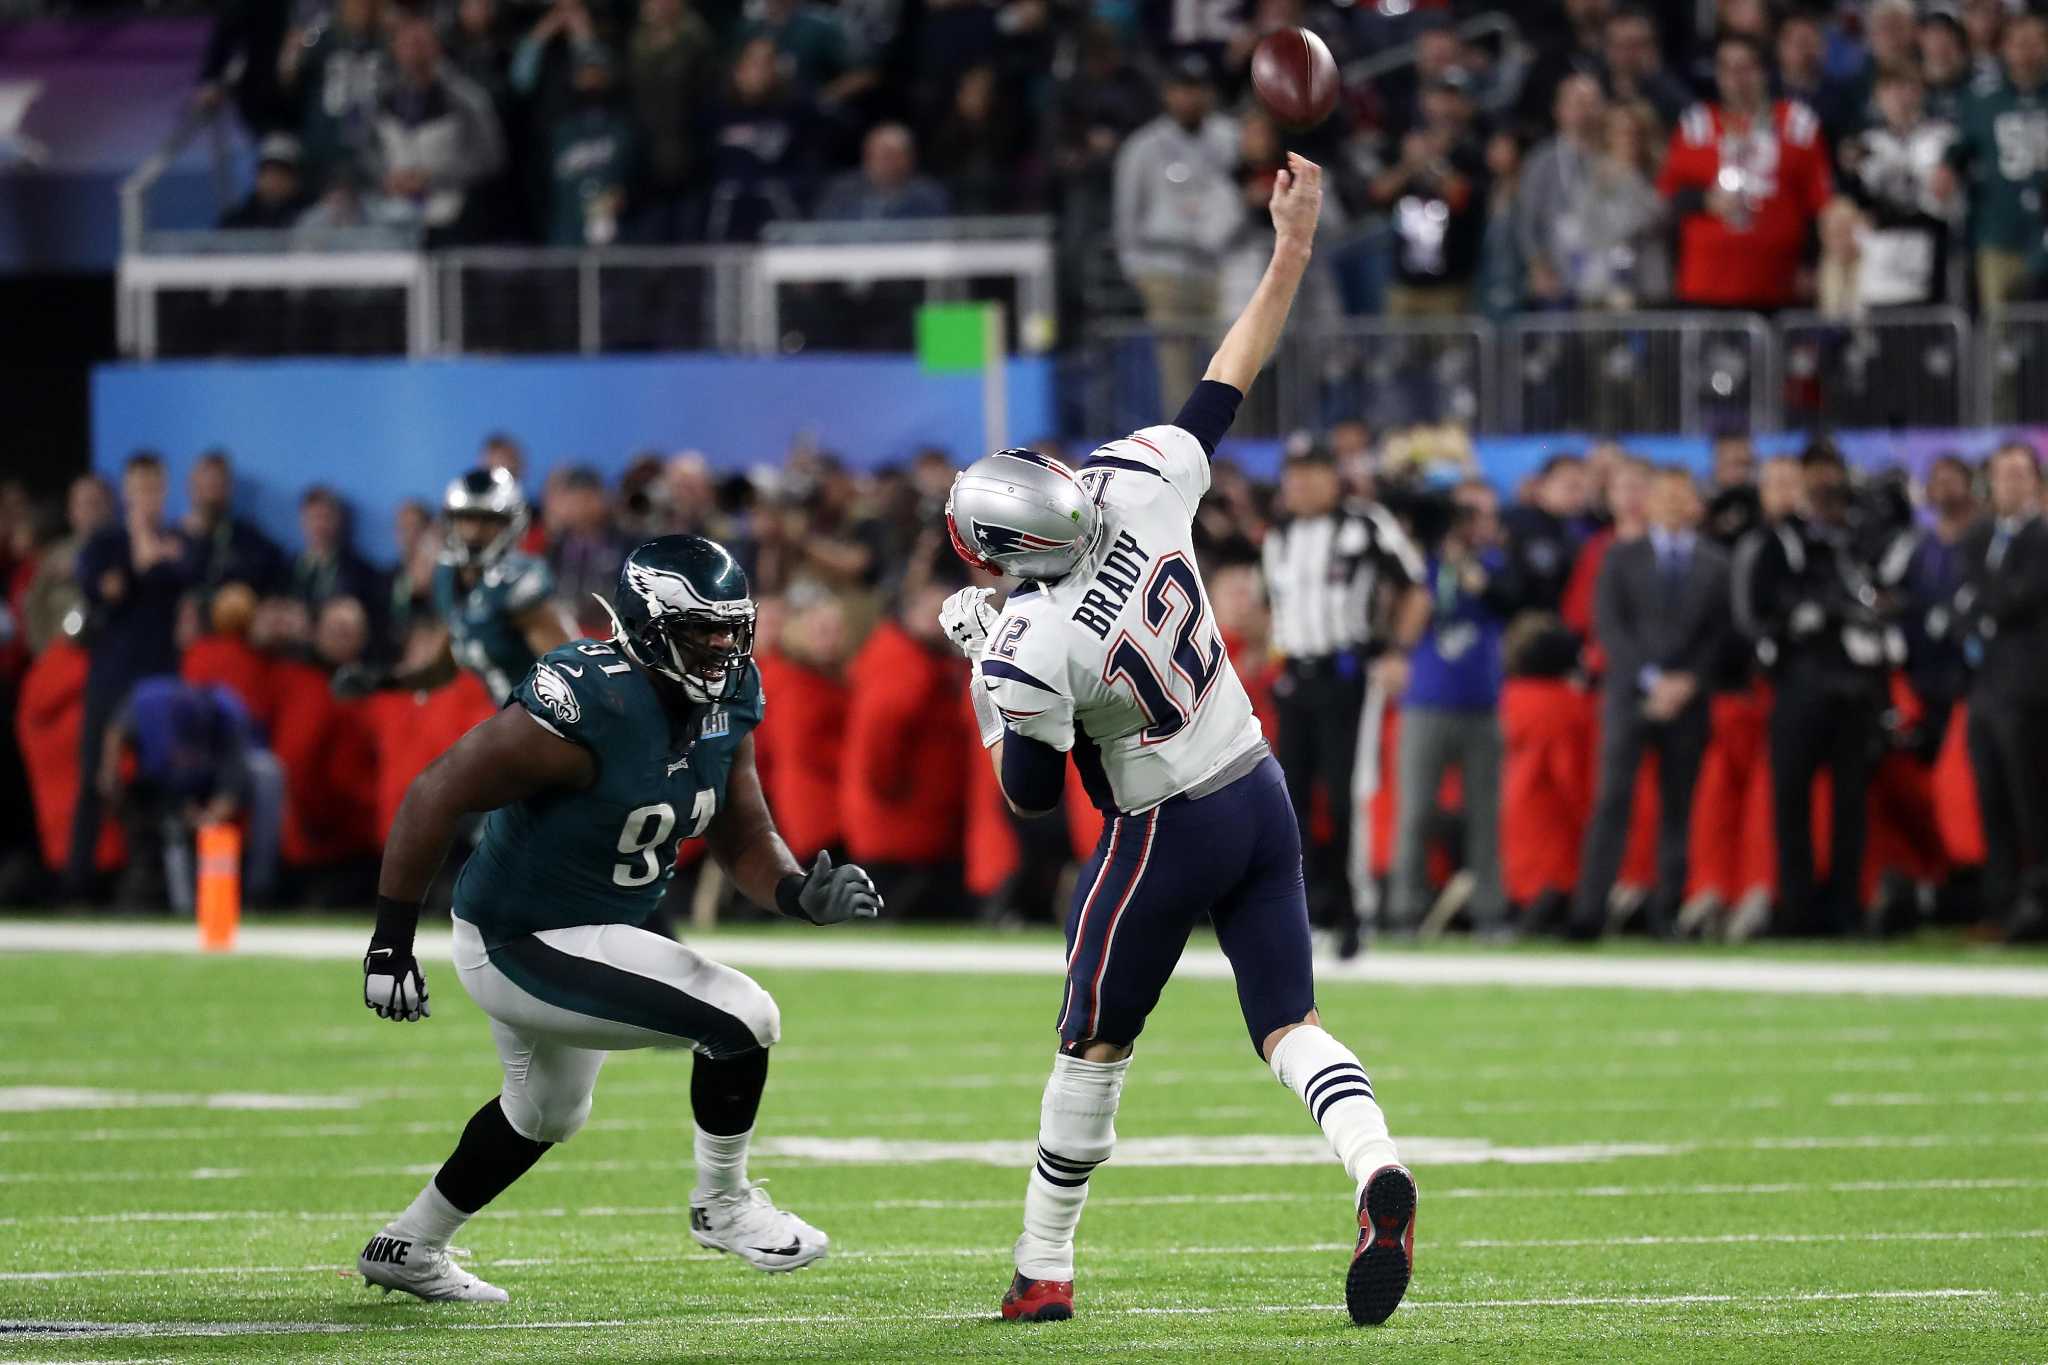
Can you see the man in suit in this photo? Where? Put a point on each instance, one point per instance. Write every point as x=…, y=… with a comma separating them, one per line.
x=1661, y=614
x=2003, y=608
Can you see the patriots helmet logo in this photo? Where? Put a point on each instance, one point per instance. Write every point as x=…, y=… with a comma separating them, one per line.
x=554, y=693
x=998, y=540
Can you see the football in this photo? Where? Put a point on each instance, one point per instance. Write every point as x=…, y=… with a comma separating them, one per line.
x=1295, y=77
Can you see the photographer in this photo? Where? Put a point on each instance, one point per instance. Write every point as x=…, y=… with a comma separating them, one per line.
x=1810, y=606
x=1450, y=715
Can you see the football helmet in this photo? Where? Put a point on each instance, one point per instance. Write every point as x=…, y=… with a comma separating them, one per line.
x=484, y=492
x=1022, y=513
x=683, y=609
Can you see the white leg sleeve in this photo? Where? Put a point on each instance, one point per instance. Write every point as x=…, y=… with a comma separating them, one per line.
x=1327, y=1076
x=1076, y=1132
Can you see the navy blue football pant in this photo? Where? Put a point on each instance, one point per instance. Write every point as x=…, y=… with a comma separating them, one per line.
x=1235, y=856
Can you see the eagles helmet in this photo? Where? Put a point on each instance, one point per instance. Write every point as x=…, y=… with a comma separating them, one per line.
x=683, y=610
x=491, y=492
x=1022, y=513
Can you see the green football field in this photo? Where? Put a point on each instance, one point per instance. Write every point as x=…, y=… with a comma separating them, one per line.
x=192, y=1150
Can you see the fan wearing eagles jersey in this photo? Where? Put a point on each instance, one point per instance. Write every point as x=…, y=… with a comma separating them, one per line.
x=496, y=605
x=1107, y=651
x=609, y=754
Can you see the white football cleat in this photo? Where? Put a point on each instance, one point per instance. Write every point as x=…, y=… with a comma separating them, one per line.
x=393, y=1260
x=749, y=1226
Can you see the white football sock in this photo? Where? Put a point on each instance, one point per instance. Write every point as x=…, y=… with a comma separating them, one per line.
x=430, y=1219
x=1076, y=1132
x=1327, y=1076
x=721, y=1163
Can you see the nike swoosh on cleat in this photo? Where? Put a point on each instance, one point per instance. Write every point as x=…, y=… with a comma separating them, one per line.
x=792, y=1249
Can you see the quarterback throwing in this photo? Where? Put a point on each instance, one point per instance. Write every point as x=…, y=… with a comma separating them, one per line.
x=1107, y=651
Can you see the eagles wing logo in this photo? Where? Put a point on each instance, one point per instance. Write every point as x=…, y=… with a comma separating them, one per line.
x=1006, y=540
x=553, y=690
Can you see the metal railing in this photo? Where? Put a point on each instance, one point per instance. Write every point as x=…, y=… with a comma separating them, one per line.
x=218, y=126
x=1618, y=372
x=2012, y=365
x=1908, y=367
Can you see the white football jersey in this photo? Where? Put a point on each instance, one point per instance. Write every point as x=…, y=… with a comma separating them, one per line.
x=1120, y=662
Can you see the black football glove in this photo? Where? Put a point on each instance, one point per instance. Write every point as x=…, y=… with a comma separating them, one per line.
x=393, y=985
x=828, y=894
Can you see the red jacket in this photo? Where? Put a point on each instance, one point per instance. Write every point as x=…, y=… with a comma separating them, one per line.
x=798, y=748
x=903, y=787
x=409, y=730
x=1783, y=168
x=48, y=723
x=330, y=769
x=229, y=661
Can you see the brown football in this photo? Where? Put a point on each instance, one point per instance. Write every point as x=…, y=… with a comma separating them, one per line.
x=1295, y=77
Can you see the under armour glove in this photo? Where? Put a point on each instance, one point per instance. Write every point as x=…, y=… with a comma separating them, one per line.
x=392, y=982
x=967, y=618
x=353, y=682
x=828, y=894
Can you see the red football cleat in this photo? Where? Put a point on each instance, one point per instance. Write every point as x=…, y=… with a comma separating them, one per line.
x=1038, y=1300
x=1386, y=1247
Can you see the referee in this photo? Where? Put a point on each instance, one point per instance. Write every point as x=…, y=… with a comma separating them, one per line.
x=1336, y=573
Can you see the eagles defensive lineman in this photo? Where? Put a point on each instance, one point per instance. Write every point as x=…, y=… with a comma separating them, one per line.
x=1107, y=651
x=495, y=604
x=608, y=755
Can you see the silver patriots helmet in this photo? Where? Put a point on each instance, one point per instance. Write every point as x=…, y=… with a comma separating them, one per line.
x=484, y=492
x=683, y=609
x=1022, y=513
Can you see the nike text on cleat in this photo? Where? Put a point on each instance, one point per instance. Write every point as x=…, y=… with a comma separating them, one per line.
x=1031, y=1300
x=393, y=1260
x=753, y=1229
x=1385, y=1257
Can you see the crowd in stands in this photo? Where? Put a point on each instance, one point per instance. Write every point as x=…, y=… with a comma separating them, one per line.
x=1610, y=155
x=1632, y=694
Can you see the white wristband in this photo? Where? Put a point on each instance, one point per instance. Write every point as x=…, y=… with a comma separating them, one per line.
x=986, y=718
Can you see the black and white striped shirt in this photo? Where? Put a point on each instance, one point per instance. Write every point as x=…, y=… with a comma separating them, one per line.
x=1324, y=575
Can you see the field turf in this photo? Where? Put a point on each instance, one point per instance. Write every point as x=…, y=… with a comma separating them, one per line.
x=193, y=1150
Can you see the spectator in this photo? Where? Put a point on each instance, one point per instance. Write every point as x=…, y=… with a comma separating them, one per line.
x=341, y=633
x=477, y=48
x=670, y=63
x=1890, y=172
x=279, y=196
x=974, y=151
x=1501, y=286
x=1746, y=180
x=813, y=44
x=585, y=552
x=1661, y=616
x=54, y=593
x=760, y=136
x=132, y=575
x=1635, y=67
x=1545, y=533
x=328, y=566
x=543, y=65
x=887, y=187
x=221, y=547
x=1891, y=28
x=1935, y=661
x=2004, y=611
x=1260, y=159
x=1984, y=24
x=1802, y=75
x=909, y=741
x=1436, y=194
x=2002, y=149
x=1573, y=48
x=1944, y=65
x=1178, y=207
x=1627, y=255
x=1450, y=712
x=334, y=71
x=435, y=137
x=197, y=762
x=1557, y=193
x=241, y=64
x=804, y=729
x=1794, y=597
x=591, y=157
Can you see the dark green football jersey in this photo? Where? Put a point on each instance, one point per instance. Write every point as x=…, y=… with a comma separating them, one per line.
x=2003, y=143
x=483, y=623
x=603, y=855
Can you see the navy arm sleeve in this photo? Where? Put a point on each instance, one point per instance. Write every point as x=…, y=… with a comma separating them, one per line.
x=1034, y=773
x=1208, y=413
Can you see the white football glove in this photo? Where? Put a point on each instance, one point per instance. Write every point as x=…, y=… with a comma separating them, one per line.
x=393, y=985
x=967, y=618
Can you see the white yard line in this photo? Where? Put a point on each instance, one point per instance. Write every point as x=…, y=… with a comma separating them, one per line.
x=848, y=952
x=602, y=1212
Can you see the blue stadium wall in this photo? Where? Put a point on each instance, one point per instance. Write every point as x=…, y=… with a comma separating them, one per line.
x=381, y=431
